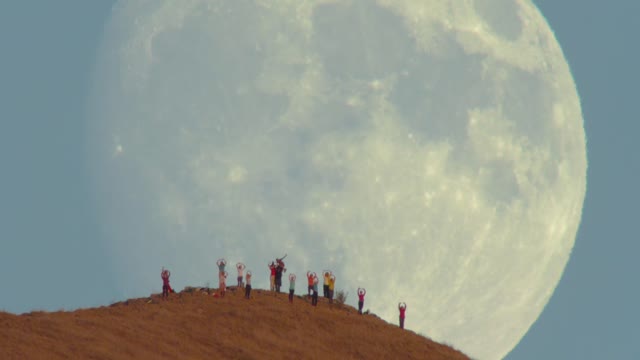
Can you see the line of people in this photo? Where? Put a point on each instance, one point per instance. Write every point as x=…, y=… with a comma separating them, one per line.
x=277, y=268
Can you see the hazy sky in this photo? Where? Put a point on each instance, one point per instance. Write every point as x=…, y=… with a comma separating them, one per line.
x=50, y=249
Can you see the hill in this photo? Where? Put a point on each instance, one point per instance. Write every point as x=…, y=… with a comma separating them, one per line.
x=193, y=324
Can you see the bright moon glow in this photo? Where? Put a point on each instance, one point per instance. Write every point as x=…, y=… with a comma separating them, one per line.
x=432, y=151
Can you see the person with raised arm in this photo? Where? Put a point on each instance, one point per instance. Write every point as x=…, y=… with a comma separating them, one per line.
x=292, y=286
x=280, y=269
x=247, y=287
x=222, y=286
x=361, y=293
x=332, y=286
x=403, y=308
x=272, y=278
x=325, y=284
x=221, y=265
x=314, y=297
x=240, y=266
x=165, y=274
x=310, y=276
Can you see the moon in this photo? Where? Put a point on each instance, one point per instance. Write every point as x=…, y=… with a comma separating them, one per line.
x=431, y=151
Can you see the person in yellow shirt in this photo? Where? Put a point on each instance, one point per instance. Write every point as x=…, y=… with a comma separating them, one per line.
x=325, y=283
x=332, y=284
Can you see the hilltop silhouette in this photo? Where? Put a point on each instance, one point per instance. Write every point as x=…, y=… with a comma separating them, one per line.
x=195, y=324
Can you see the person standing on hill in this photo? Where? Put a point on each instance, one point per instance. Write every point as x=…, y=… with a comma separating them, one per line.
x=222, y=286
x=272, y=269
x=247, y=287
x=361, y=293
x=166, y=288
x=221, y=264
x=310, y=276
x=332, y=285
x=314, y=297
x=292, y=286
x=325, y=284
x=240, y=266
x=279, y=270
x=403, y=308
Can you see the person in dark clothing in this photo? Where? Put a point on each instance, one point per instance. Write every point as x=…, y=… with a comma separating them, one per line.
x=166, y=288
x=314, y=297
x=292, y=286
x=279, y=270
x=247, y=286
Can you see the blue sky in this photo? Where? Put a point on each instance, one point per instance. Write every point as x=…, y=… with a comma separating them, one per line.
x=51, y=252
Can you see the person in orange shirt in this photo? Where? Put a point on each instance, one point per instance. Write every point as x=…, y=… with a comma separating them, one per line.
x=310, y=276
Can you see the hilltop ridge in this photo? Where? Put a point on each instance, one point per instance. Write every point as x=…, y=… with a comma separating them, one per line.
x=195, y=324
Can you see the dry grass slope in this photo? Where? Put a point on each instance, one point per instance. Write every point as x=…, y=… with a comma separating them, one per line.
x=194, y=325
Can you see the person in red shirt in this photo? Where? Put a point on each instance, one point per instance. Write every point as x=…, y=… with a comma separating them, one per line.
x=166, y=288
x=310, y=276
x=272, y=268
x=361, y=293
x=402, y=307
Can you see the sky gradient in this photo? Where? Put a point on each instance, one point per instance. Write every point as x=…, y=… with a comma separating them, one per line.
x=51, y=253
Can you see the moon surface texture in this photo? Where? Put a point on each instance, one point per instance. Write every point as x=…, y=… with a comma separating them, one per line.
x=431, y=151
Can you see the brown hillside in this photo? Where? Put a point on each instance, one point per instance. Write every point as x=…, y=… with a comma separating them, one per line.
x=194, y=325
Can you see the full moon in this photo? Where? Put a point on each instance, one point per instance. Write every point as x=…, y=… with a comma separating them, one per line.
x=431, y=151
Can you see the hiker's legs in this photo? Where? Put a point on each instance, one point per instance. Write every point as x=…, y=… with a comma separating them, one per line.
x=401, y=323
x=247, y=292
x=290, y=295
x=360, y=304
